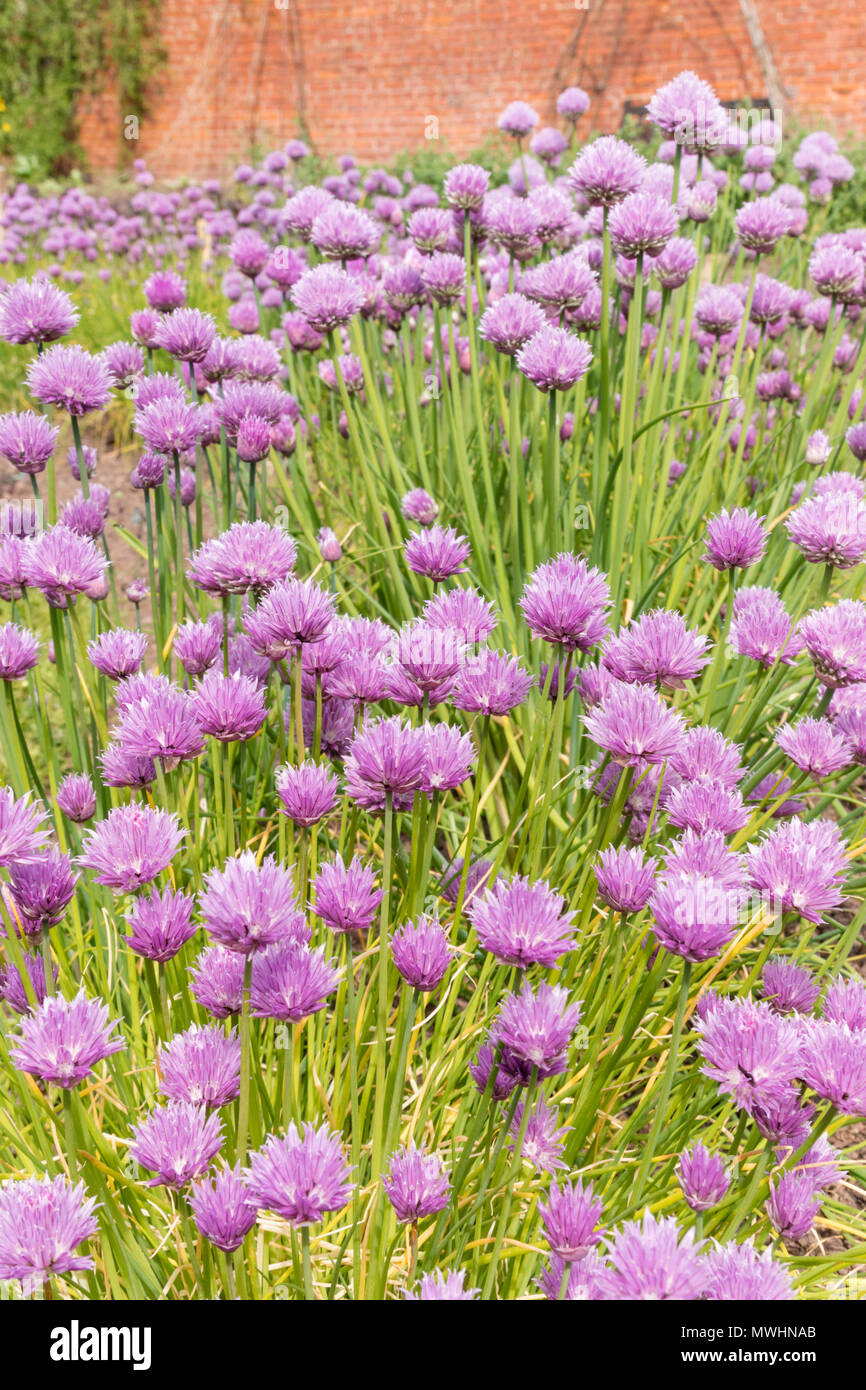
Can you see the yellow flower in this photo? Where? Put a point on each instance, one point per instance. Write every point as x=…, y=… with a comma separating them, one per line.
x=6, y=127
x=2, y=104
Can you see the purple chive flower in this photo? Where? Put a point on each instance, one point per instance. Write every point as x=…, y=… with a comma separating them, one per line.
x=508, y=1073
x=329, y=546
x=554, y=359
x=815, y=746
x=123, y=769
x=800, y=866
x=570, y=1219
x=218, y=981
x=249, y=252
x=197, y=646
x=247, y=906
x=229, y=708
x=443, y=275
x=465, y=185
x=438, y=552
x=387, y=758
x=417, y=1184
x=675, y=263
x=344, y=232
x=835, y=638
x=223, y=1208
x=22, y=836
x=250, y=557
x=701, y=807
x=430, y=228
x=449, y=755
x=118, y=653
x=837, y=271
x=632, y=723
x=657, y=649
x=295, y=612
x=42, y=890
x=429, y=655
x=788, y=988
x=687, y=110
x=511, y=223
x=642, y=224
x=564, y=602
x=518, y=119
x=84, y=515
x=253, y=441
x=818, y=448
x=62, y=1041
x=61, y=564
x=70, y=378
x=131, y=846
x=160, y=924
x=12, y=991
x=751, y=1052
x=201, y=1066
x=346, y=896
x=421, y=953
x=149, y=472
x=761, y=628
x=552, y=688
x=694, y=914
x=561, y=283
x=419, y=506
x=327, y=297
x=543, y=1140
x=607, y=171
x=523, y=923
x=42, y=1223
x=447, y=1285
x=792, y=1206
x=27, y=440
x=738, y=1273
x=186, y=334
x=511, y=322
x=492, y=683
x=652, y=1258
x=702, y=1177
x=735, y=539
x=707, y=756
x=76, y=797
x=19, y=651
x=718, y=310
x=830, y=529
x=300, y=1176
x=845, y=1002
x=572, y=103
x=537, y=1026
x=834, y=1064
x=177, y=1142
x=548, y=144
x=165, y=290
x=625, y=878
x=308, y=793
x=167, y=426
x=463, y=609
x=290, y=982
x=125, y=362
x=35, y=311
x=763, y=223
x=163, y=723
x=143, y=324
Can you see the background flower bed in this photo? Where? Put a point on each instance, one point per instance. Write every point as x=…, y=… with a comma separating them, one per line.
x=364, y=650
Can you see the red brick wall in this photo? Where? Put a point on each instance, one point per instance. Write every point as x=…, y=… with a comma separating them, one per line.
x=364, y=75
